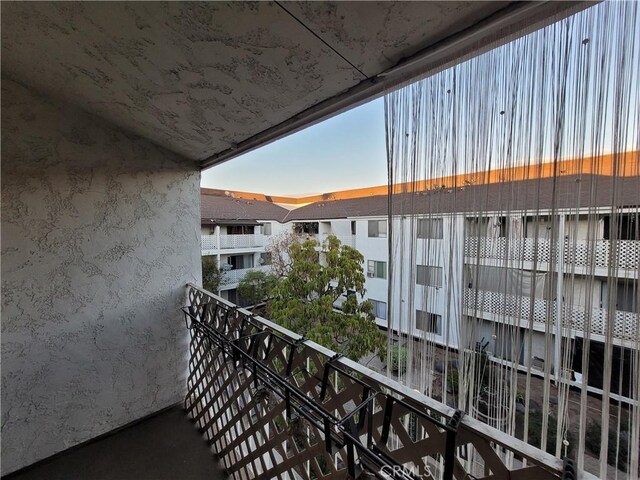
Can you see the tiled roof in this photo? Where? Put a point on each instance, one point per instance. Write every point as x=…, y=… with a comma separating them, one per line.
x=539, y=194
x=218, y=208
x=353, y=207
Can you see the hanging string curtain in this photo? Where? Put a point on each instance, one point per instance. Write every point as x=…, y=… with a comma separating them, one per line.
x=514, y=183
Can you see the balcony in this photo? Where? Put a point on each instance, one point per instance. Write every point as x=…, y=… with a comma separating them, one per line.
x=598, y=253
x=580, y=253
x=273, y=405
x=212, y=243
x=625, y=325
x=527, y=249
x=233, y=277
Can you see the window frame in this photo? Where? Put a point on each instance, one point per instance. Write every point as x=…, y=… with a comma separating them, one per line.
x=429, y=275
x=427, y=226
x=377, y=304
x=376, y=232
x=372, y=269
x=432, y=319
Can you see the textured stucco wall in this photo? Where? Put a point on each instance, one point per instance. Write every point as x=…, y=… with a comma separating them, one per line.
x=100, y=233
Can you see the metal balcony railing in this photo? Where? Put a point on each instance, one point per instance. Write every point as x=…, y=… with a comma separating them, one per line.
x=274, y=405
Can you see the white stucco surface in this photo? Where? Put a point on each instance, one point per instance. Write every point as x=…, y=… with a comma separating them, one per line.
x=100, y=234
x=201, y=78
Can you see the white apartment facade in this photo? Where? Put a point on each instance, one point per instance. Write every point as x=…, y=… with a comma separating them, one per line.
x=451, y=262
x=450, y=266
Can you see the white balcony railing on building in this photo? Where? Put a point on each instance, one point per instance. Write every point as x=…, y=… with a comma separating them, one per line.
x=527, y=249
x=598, y=253
x=625, y=326
x=582, y=253
x=241, y=241
x=231, y=277
x=210, y=242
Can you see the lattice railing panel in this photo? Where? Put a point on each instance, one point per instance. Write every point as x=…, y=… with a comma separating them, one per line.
x=241, y=241
x=527, y=249
x=579, y=253
x=209, y=242
x=273, y=405
x=599, y=253
x=625, y=324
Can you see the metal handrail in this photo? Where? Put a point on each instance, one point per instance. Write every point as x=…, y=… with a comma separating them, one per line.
x=248, y=345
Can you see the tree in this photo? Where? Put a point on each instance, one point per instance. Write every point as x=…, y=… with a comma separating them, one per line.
x=303, y=301
x=256, y=286
x=211, y=274
x=279, y=250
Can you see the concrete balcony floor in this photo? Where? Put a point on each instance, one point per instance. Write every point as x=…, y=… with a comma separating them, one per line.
x=164, y=447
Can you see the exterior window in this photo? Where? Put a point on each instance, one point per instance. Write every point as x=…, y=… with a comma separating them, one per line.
x=377, y=228
x=376, y=269
x=353, y=227
x=626, y=228
x=239, y=230
x=428, y=322
x=429, y=276
x=309, y=228
x=265, y=258
x=476, y=227
x=266, y=229
x=379, y=309
x=430, y=228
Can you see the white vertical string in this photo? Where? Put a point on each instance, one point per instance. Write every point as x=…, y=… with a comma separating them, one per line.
x=504, y=123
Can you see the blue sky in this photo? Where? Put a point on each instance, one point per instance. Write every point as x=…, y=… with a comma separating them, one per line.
x=343, y=152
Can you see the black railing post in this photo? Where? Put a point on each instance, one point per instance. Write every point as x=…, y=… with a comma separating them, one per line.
x=450, y=452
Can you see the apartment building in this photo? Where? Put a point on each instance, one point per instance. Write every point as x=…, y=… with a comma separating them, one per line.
x=236, y=230
x=467, y=274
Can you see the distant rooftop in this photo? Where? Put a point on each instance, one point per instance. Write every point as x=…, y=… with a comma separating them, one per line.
x=218, y=206
x=575, y=182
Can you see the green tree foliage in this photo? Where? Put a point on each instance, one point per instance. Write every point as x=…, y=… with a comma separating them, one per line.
x=256, y=286
x=398, y=359
x=211, y=274
x=303, y=301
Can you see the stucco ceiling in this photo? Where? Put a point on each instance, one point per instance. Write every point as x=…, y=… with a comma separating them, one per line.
x=207, y=79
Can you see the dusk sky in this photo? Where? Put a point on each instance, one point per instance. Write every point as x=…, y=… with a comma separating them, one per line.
x=346, y=151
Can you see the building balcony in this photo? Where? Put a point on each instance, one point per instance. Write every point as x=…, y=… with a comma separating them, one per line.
x=526, y=249
x=214, y=243
x=599, y=253
x=231, y=278
x=496, y=306
x=579, y=253
x=273, y=405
